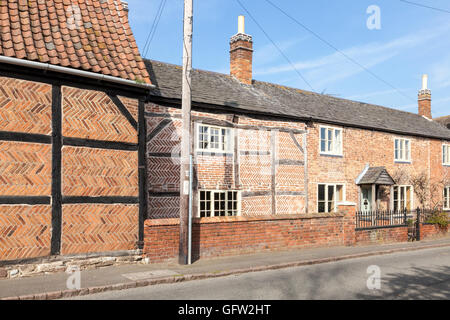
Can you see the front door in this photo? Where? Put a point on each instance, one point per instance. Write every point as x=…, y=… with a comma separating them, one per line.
x=366, y=198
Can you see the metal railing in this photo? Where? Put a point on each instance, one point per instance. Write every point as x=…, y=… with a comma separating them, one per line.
x=381, y=219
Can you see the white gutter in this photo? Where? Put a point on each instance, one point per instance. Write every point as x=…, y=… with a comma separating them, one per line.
x=74, y=72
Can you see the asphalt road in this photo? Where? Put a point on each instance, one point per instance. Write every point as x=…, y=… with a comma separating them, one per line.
x=423, y=274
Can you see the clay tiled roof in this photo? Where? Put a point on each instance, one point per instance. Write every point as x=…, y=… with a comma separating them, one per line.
x=90, y=35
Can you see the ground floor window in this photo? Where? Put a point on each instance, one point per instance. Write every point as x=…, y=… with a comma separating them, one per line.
x=218, y=203
x=329, y=195
x=447, y=198
x=403, y=196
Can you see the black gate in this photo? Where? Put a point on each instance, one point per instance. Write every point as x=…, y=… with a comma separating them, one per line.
x=421, y=215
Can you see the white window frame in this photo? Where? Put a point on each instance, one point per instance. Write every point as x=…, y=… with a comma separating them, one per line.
x=336, y=146
x=446, y=154
x=225, y=143
x=211, y=200
x=344, y=192
x=403, y=155
x=446, y=200
x=411, y=202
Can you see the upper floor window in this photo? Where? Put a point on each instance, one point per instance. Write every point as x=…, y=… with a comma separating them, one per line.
x=402, y=149
x=446, y=154
x=447, y=198
x=330, y=140
x=328, y=196
x=215, y=139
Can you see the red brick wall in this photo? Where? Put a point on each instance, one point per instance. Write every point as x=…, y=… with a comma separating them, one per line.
x=386, y=235
x=99, y=227
x=432, y=231
x=25, y=231
x=25, y=169
x=222, y=236
x=96, y=172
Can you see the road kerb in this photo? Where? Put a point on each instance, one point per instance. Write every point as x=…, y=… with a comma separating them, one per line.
x=200, y=276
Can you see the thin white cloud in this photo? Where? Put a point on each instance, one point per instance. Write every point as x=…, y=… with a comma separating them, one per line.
x=373, y=94
x=333, y=67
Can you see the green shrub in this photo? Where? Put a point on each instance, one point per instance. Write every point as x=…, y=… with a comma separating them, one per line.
x=439, y=218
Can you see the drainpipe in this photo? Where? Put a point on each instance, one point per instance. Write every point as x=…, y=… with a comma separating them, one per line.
x=73, y=72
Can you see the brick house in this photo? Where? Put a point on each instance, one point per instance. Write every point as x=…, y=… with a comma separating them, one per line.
x=72, y=149
x=272, y=163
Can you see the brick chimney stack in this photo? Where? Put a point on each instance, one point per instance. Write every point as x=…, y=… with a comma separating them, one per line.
x=425, y=98
x=241, y=54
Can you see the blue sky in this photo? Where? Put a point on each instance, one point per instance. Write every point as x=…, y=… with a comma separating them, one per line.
x=412, y=41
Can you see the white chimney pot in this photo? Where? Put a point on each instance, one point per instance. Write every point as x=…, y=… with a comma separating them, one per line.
x=241, y=24
x=424, y=82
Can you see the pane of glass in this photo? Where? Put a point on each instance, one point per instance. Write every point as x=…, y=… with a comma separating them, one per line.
x=321, y=192
x=406, y=150
x=401, y=150
x=330, y=206
x=408, y=198
x=337, y=141
x=321, y=207
x=323, y=145
x=330, y=192
x=323, y=133
x=339, y=193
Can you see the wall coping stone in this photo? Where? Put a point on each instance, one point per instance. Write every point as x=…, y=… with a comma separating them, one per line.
x=208, y=220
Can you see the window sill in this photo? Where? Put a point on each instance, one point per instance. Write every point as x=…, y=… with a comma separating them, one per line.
x=402, y=161
x=332, y=155
x=214, y=154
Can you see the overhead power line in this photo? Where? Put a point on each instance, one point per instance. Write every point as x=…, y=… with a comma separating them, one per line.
x=424, y=6
x=154, y=27
x=275, y=45
x=337, y=50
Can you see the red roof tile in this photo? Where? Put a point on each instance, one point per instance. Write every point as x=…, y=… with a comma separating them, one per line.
x=91, y=35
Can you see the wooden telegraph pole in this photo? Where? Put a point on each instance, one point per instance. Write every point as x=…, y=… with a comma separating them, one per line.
x=186, y=138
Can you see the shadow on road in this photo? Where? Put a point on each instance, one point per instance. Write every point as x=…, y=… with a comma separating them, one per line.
x=414, y=283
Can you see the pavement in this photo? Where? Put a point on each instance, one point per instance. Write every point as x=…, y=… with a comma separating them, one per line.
x=54, y=286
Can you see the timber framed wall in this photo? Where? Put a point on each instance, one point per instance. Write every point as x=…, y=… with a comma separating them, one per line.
x=71, y=166
x=266, y=164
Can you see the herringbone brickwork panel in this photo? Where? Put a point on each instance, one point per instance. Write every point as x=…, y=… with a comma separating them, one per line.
x=25, y=231
x=99, y=227
x=255, y=172
x=290, y=177
x=25, y=169
x=163, y=207
x=93, y=115
x=25, y=106
x=132, y=105
x=167, y=140
x=287, y=148
x=99, y=172
x=163, y=174
x=256, y=206
x=290, y=204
